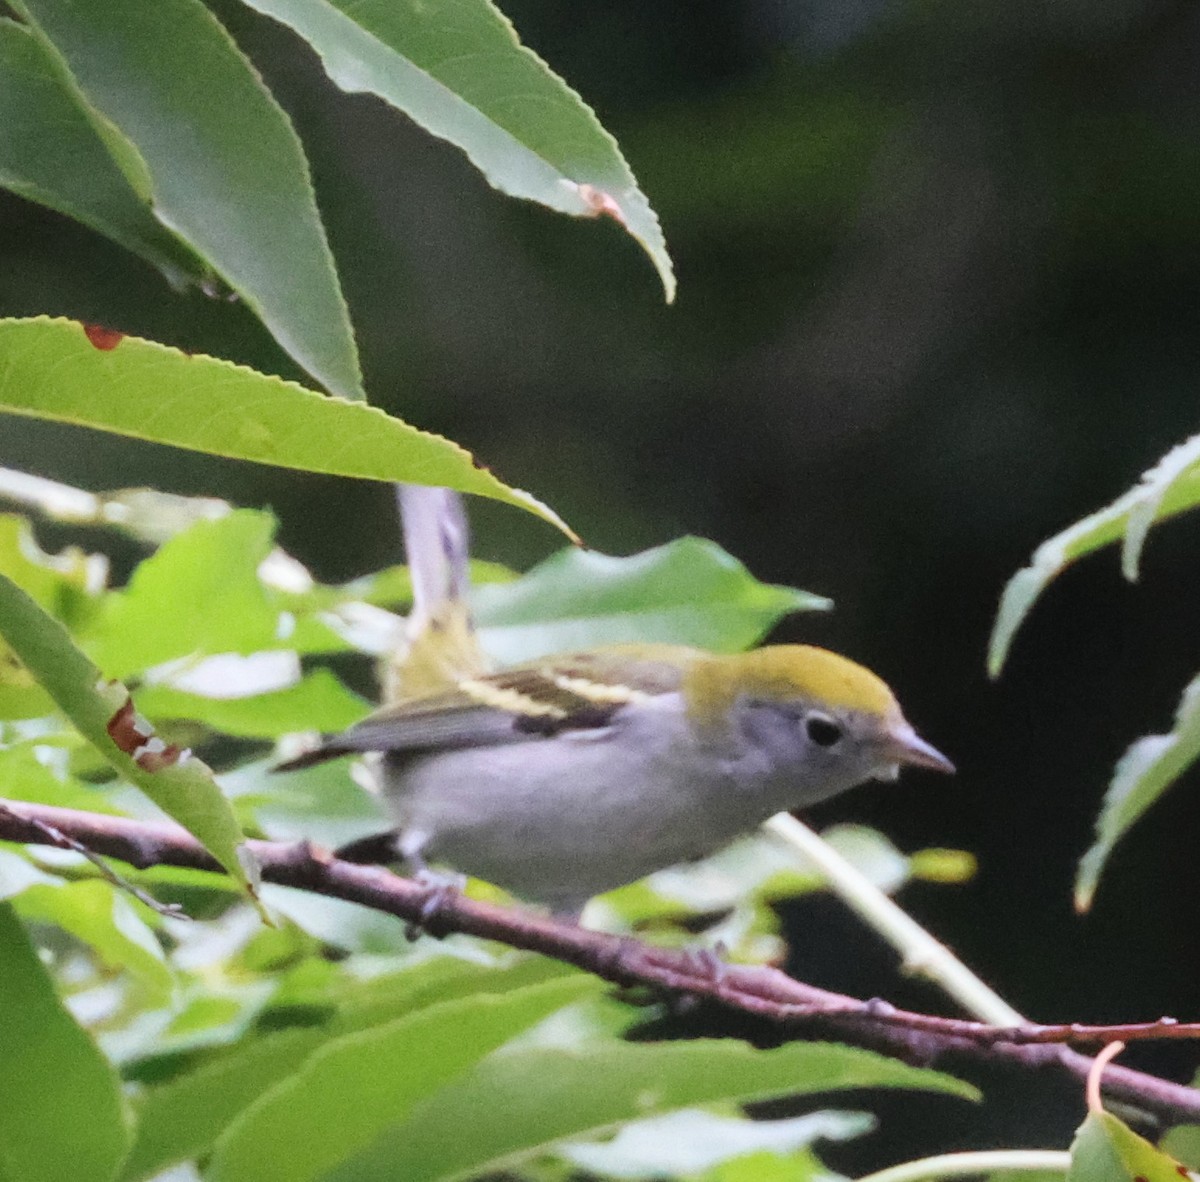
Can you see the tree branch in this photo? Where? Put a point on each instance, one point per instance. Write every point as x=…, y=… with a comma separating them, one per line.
x=760, y=990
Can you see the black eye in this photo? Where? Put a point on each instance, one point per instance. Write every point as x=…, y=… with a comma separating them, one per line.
x=822, y=731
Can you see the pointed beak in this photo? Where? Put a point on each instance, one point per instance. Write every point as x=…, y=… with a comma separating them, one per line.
x=907, y=747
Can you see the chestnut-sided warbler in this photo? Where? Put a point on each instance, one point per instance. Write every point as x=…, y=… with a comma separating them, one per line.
x=574, y=775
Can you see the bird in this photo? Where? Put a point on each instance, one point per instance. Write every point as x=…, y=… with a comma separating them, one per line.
x=567, y=777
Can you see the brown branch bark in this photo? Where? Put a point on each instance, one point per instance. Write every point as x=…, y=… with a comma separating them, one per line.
x=800, y=1008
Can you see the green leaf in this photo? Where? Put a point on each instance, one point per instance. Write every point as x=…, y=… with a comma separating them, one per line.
x=61, y=1118
x=25, y=777
x=1183, y=1143
x=1106, y=1150
x=51, y=153
x=183, y=1118
x=199, y=594
x=318, y=702
x=379, y=1000
x=337, y=923
x=1170, y=488
x=320, y=804
x=458, y=70
x=1027, y=1175
x=767, y=1167
x=100, y=916
x=182, y=786
x=356, y=1086
x=149, y=391
x=66, y=584
x=229, y=177
x=20, y=695
x=520, y=1103
x=390, y=587
x=1146, y=770
x=689, y=591
x=215, y=1014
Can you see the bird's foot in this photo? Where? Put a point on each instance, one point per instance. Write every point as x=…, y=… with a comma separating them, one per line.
x=440, y=887
x=708, y=968
x=709, y=963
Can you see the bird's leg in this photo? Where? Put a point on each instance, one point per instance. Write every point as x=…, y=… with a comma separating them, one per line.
x=439, y=885
x=709, y=963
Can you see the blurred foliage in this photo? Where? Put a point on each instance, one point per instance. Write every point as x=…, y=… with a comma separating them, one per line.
x=1155, y=762
x=289, y=1051
x=939, y=269
x=1107, y=1150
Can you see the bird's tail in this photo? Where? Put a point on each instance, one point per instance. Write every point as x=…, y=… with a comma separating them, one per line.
x=437, y=542
x=440, y=647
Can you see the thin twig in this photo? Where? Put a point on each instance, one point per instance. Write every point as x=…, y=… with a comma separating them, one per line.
x=803, y=1009
x=56, y=837
x=920, y=953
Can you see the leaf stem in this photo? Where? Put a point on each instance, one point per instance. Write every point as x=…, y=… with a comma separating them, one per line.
x=919, y=951
x=958, y=1165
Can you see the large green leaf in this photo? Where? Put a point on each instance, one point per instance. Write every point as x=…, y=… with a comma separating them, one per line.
x=61, y=1118
x=1143, y=774
x=520, y=1103
x=376, y=1001
x=20, y=694
x=764, y=1166
x=149, y=391
x=188, y=118
x=1169, y=488
x=352, y=1089
x=99, y=915
x=1183, y=1142
x=25, y=777
x=318, y=702
x=66, y=585
x=51, y=153
x=197, y=595
x=1107, y=1150
x=322, y=806
x=103, y=713
x=457, y=69
x=338, y=924
x=687, y=592
x=183, y=1118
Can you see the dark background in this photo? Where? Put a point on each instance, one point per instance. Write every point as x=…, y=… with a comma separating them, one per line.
x=938, y=298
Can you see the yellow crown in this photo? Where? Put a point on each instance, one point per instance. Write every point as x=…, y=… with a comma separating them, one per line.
x=784, y=672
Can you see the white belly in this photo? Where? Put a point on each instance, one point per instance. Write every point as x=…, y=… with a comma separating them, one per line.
x=558, y=821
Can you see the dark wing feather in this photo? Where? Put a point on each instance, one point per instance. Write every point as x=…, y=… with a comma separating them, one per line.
x=572, y=692
x=450, y=720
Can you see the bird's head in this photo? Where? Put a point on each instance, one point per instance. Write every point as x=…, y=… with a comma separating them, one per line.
x=818, y=715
